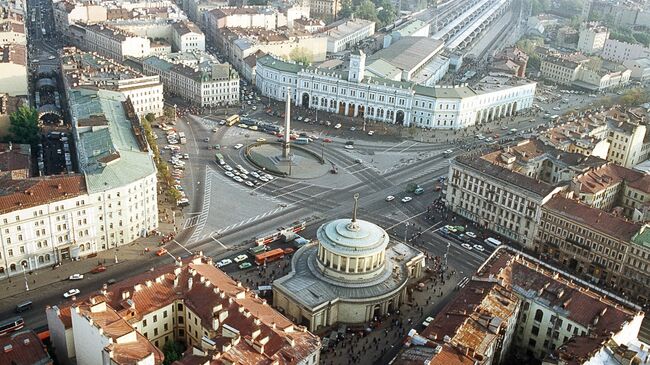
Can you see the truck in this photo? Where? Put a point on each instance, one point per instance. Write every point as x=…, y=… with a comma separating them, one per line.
x=181, y=137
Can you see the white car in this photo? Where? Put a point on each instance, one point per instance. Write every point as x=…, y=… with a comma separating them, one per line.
x=264, y=179
x=268, y=177
x=224, y=262
x=238, y=179
x=241, y=258
x=255, y=175
x=479, y=248
x=406, y=199
x=229, y=174
x=353, y=129
x=261, y=140
x=51, y=58
x=249, y=183
x=467, y=246
x=470, y=234
x=227, y=167
x=370, y=133
x=71, y=293
x=337, y=126
x=390, y=198
x=238, y=146
x=76, y=277
x=348, y=147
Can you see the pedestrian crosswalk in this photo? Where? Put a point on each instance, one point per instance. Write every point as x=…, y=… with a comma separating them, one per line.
x=205, y=207
x=243, y=222
x=410, y=162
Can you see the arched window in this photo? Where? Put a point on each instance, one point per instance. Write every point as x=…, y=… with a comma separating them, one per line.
x=47, y=257
x=2, y=269
x=539, y=315
x=12, y=267
x=41, y=259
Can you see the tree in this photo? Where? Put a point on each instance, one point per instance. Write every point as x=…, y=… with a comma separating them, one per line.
x=634, y=97
x=387, y=14
x=346, y=9
x=366, y=10
x=24, y=125
x=301, y=55
x=173, y=351
x=257, y=2
x=643, y=38
x=150, y=117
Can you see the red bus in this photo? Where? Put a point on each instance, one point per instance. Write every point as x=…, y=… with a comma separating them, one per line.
x=269, y=256
x=10, y=325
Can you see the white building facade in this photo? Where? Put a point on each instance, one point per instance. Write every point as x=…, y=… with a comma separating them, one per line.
x=592, y=38
x=389, y=101
x=617, y=51
x=348, y=32
x=187, y=37
x=114, y=43
x=204, y=85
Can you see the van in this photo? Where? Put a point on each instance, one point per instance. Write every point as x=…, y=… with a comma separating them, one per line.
x=492, y=241
x=24, y=306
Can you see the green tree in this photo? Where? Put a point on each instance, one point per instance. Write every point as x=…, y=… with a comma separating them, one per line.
x=24, y=125
x=387, y=14
x=150, y=117
x=173, y=351
x=643, y=38
x=366, y=10
x=634, y=97
x=346, y=9
x=301, y=55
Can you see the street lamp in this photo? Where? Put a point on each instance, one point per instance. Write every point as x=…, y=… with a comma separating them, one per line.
x=406, y=228
x=24, y=265
x=446, y=254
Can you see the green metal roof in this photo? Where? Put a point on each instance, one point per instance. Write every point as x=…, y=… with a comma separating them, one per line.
x=643, y=237
x=270, y=61
x=110, y=156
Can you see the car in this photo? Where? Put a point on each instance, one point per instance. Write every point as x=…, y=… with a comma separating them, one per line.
x=427, y=321
x=98, y=269
x=307, y=120
x=76, y=277
x=255, y=175
x=479, y=248
x=238, y=179
x=451, y=229
x=370, y=133
x=314, y=137
x=352, y=129
x=238, y=146
x=327, y=140
x=241, y=258
x=245, y=265
x=227, y=167
x=186, y=156
x=51, y=58
x=224, y=262
x=229, y=174
x=406, y=199
x=264, y=179
x=71, y=293
x=348, y=147
x=222, y=122
x=269, y=177
x=161, y=251
x=261, y=140
x=249, y=183
x=358, y=160
x=215, y=130
x=337, y=126
x=243, y=126
x=470, y=234
x=467, y=246
x=390, y=198
x=299, y=118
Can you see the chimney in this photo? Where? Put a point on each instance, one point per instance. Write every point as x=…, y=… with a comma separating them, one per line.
x=189, y=284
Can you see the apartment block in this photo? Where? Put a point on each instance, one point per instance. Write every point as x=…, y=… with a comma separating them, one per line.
x=197, y=77
x=604, y=248
x=87, y=70
x=345, y=33
x=187, y=37
x=218, y=319
x=114, y=43
x=618, y=51
x=504, y=190
x=592, y=38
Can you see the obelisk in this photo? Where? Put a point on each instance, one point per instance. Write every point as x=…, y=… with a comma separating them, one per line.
x=286, y=149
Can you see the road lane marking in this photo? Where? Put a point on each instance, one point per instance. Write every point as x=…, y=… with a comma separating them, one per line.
x=393, y=146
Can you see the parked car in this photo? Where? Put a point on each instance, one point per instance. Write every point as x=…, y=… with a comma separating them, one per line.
x=76, y=277
x=470, y=234
x=224, y=262
x=337, y=126
x=467, y=246
x=98, y=269
x=161, y=251
x=390, y=198
x=479, y=248
x=241, y=258
x=245, y=265
x=406, y=199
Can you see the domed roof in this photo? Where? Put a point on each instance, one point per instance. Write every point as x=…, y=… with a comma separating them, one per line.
x=352, y=237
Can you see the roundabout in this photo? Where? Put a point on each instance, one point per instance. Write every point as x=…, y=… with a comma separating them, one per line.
x=301, y=163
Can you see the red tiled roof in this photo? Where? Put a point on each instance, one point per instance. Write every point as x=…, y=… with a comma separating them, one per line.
x=202, y=288
x=23, y=348
x=594, y=218
x=24, y=193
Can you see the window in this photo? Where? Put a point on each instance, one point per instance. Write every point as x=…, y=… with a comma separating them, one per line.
x=535, y=331
x=532, y=342
x=155, y=318
x=539, y=315
x=179, y=306
x=144, y=323
x=180, y=320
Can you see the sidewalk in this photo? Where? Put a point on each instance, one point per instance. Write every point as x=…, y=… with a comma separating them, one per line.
x=46, y=276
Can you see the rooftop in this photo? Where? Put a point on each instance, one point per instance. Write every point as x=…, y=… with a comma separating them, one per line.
x=186, y=26
x=15, y=157
x=13, y=53
x=195, y=66
x=408, y=53
x=222, y=304
x=114, y=155
x=609, y=175
x=17, y=194
x=344, y=27
x=597, y=219
x=23, y=348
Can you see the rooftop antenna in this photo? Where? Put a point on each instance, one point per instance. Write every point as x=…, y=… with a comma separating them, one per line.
x=354, y=225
